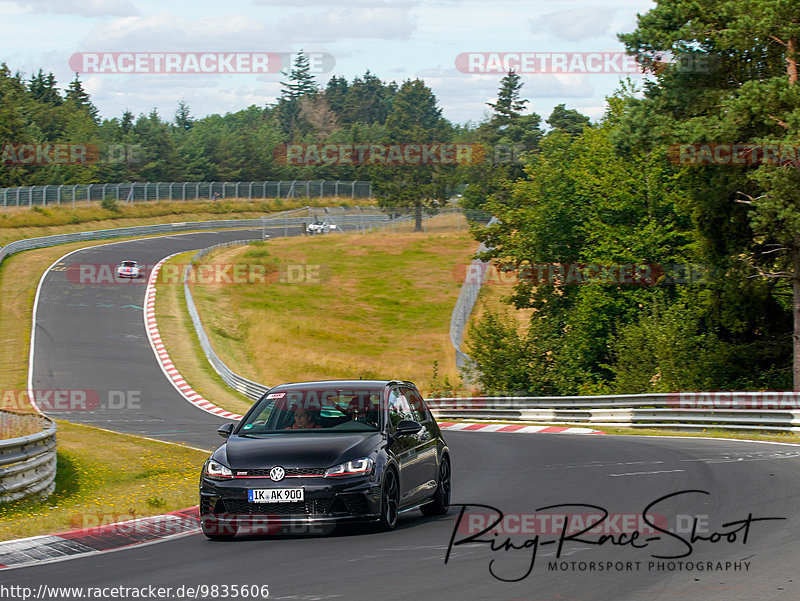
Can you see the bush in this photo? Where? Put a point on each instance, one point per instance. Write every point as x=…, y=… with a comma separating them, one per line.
x=110, y=204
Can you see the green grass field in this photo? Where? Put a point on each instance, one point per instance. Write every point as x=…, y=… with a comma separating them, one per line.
x=373, y=305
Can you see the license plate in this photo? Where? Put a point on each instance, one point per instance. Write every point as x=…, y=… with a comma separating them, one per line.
x=276, y=495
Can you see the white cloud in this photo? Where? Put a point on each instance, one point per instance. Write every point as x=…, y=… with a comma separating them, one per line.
x=85, y=8
x=331, y=3
x=165, y=31
x=574, y=24
x=382, y=23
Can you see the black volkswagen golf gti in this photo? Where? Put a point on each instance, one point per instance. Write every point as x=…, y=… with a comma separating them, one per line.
x=313, y=454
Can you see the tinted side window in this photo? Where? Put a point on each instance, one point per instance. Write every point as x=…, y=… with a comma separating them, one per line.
x=418, y=408
x=399, y=408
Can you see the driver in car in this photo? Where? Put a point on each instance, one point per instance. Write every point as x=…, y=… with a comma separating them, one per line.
x=302, y=421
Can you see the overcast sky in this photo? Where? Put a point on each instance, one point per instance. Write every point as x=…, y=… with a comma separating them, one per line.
x=394, y=40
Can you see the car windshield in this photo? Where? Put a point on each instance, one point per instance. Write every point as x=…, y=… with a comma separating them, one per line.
x=314, y=410
x=129, y=263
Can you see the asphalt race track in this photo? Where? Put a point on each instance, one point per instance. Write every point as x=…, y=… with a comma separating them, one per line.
x=89, y=338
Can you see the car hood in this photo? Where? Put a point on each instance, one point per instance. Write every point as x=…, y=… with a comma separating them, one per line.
x=296, y=450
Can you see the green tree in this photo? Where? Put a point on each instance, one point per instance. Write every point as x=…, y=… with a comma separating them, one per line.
x=78, y=97
x=299, y=84
x=567, y=120
x=733, y=81
x=183, y=116
x=507, y=135
x=415, y=119
x=508, y=107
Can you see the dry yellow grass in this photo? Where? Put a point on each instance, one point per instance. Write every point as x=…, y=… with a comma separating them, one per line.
x=381, y=307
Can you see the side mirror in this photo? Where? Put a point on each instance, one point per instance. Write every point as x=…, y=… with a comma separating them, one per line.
x=407, y=427
x=225, y=430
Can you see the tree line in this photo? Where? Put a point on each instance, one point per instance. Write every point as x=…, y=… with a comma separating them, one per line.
x=655, y=250
x=691, y=188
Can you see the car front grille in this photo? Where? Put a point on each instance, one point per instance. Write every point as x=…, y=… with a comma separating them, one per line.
x=311, y=507
x=290, y=471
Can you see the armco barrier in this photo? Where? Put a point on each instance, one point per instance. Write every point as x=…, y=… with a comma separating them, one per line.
x=632, y=411
x=252, y=390
x=28, y=463
x=463, y=309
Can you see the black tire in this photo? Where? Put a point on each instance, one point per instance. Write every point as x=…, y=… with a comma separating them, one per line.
x=390, y=501
x=216, y=529
x=441, y=498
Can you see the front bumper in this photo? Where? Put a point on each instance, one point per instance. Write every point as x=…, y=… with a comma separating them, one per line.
x=327, y=501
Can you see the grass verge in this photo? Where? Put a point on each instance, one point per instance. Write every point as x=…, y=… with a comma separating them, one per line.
x=341, y=306
x=140, y=478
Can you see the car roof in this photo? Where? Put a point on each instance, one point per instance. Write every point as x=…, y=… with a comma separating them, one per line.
x=351, y=384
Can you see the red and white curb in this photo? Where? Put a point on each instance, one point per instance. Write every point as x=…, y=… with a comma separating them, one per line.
x=162, y=356
x=100, y=539
x=514, y=428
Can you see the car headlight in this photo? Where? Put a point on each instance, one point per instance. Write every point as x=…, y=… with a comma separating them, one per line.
x=217, y=471
x=356, y=467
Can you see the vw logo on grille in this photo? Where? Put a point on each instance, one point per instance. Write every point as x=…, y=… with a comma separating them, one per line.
x=277, y=473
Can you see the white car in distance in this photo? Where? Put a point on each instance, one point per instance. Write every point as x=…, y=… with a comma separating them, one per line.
x=320, y=227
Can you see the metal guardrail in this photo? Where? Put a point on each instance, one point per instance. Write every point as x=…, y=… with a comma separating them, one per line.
x=28, y=463
x=183, y=191
x=252, y=390
x=636, y=410
x=464, y=305
x=632, y=411
x=355, y=219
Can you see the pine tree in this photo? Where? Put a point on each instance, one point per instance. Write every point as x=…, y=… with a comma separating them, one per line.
x=127, y=121
x=80, y=99
x=183, y=117
x=301, y=82
x=508, y=106
x=415, y=119
x=43, y=87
